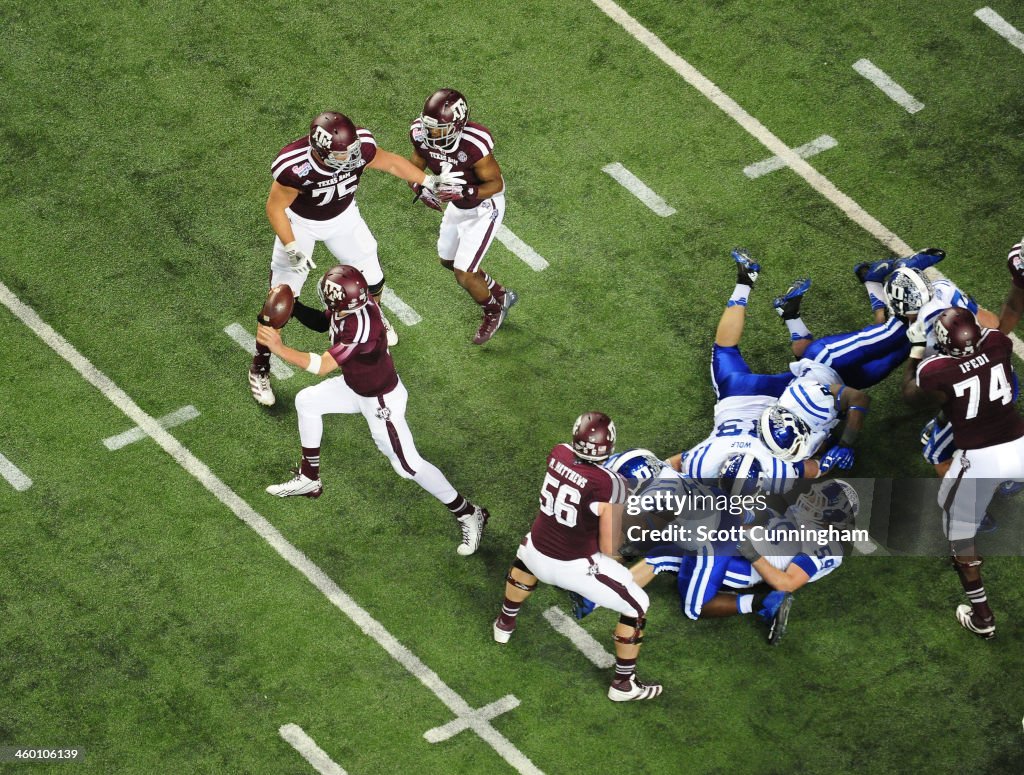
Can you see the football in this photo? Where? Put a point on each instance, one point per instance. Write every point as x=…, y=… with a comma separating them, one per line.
x=277, y=309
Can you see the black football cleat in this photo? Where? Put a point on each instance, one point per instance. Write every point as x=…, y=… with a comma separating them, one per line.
x=788, y=304
x=747, y=268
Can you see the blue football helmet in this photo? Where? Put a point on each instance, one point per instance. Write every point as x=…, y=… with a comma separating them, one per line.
x=787, y=436
x=741, y=475
x=635, y=464
x=831, y=503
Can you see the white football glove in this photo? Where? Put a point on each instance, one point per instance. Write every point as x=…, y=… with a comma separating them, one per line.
x=918, y=339
x=434, y=182
x=297, y=258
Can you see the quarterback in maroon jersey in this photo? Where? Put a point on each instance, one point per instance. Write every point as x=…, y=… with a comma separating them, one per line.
x=577, y=529
x=368, y=385
x=312, y=199
x=971, y=377
x=1013, y=307
x=445, y=140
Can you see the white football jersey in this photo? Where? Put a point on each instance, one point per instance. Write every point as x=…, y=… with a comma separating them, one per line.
x=816, y=561
x=945, y=294
x=736, y=434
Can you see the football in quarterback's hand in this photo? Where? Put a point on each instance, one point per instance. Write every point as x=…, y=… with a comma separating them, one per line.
x=277, y=309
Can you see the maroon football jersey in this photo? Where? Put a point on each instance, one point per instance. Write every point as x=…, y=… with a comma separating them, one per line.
x=323, y=192
x=360, y=346
x=566, y=527
x=979, y=392
x=1015, y=263
x=476, y=143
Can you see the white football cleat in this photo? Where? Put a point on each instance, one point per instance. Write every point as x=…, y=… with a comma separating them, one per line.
x=298, y=485
x=259, y=384
x=636, y=691
x=472, y=530
x=500, y=635
x=964, y=616
x=390, y=329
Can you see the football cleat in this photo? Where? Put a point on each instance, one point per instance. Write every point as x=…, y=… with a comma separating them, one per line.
x=390, y=329
x=581, y=606
x=259, y=384
x=788, y=304
x=874, y=271
x=747, y=268
x=927, y=431
x=926, y=258
x=299, y=484
x=634, y=690
x=493, y=318
x=777, y=628
x=987, y=524
x=501, y=635
x=965, y=615
x=472, y=530
x=1009, y=489
x=509, y=298
x=772, y=602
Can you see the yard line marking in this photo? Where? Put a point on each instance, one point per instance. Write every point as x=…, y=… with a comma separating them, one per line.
x=805, y=151
x=197, y=468
x=528, y=255
x=889, y=87
x=639, y=189
x=309, y=750
x=14, y=475
x=278, y=368
x=402, y=311
x=1000, y=26
x=175, y=418
x=487, y=712
x=760, y=132
x=580, y=638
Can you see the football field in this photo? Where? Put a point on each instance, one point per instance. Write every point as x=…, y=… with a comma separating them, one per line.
x=160, y=612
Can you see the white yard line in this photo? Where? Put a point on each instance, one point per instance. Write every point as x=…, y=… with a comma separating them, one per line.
x=805, y=151
x=760, y=132
x=198, y=469
x=309, y=750
x=580, y=638
x=1011, y=34
x=14, y=475
x=402, y=311
x=486, y=713
x=526, y=254
x=175, y=418
x=888, y=86
x=639, y=189
x=247, y=342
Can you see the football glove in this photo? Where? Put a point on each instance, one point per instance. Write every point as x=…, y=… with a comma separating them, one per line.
x=840, y=456
x=918, y=339
x=747, y=551
x=448, y=193
x=434, y=182
x=297, y=258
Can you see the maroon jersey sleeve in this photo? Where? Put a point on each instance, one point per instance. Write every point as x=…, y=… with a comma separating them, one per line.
x=359, y=345
x=292, y=167
x=367, y=144
x=979, y=392
x=1015, y=263
x=567, y=525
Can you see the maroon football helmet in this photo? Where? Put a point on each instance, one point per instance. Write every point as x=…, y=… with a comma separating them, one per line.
x=957, y=332
x=593, y=437
x=343, y=289
x=444, y=117
x=333, y=138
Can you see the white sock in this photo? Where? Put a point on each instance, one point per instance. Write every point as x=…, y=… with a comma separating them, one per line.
x=739, y=295
x=797, y=329
x=745, y=604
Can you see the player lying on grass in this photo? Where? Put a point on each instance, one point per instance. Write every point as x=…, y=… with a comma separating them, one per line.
x=971, y=377
x=368, y=385
x=760, y=576
x=571, y=543
x=750, y=417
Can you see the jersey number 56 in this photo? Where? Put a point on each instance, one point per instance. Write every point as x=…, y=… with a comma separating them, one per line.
x=559, y=500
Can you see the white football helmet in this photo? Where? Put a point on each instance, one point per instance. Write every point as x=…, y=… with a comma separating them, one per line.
x=830, y=503
x=906, y=291
x=787, y=436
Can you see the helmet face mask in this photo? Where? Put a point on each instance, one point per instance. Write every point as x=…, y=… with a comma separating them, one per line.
x=593, y=437
x=343, y=289
x=444, y=116
x=832, y=503
x=957, y=332
x=786, y=435
x=906, y=291
x=333, y=138
x=636, y=464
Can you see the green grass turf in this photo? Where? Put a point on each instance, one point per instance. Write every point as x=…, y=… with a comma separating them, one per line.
x=142, y=621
